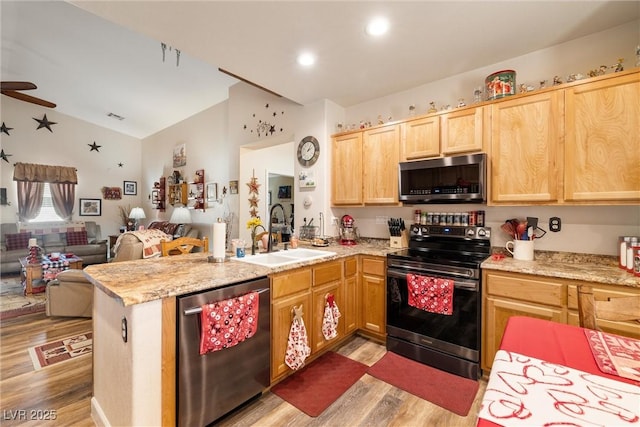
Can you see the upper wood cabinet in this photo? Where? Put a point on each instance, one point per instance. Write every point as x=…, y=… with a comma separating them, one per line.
x=602, y=146
x=526, y=133
x=462, y=131
x=365, y=167
x=420, y=138
x=346, y=169
x=380, y=157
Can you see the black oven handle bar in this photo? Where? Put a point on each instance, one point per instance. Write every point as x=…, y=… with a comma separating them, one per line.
x=461, y=284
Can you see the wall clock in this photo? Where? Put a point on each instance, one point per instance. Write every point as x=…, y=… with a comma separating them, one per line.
x=308, y=151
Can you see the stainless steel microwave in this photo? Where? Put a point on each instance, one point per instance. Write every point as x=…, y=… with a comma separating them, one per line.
x=458, y=179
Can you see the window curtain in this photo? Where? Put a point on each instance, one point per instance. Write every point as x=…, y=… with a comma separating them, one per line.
x=29, y=199
x=44, y=173
x=31, y=178
x=63, y=196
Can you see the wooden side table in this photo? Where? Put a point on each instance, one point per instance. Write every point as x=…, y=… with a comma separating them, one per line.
x=31, y=272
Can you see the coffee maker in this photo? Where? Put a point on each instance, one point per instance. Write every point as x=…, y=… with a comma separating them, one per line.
x=348, y=233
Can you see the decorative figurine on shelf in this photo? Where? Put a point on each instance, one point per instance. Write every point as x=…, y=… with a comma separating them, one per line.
x=461, y=103
x=525, y=88
x=638, y=56
x=362, y=124
x=380, y=120
x=543, y=84
x=557, y=80
x=618, y=66
x=252, y=225
x=412, y=110
x=432, y=107
x=477, y=94
x=339, y=127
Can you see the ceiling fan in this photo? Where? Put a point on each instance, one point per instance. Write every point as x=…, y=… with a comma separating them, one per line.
x=13, y=89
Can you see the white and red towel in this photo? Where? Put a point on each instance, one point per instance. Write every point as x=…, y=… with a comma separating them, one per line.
x=330, y=319
x=298, y=344
x=229, y=322
x=431, y=294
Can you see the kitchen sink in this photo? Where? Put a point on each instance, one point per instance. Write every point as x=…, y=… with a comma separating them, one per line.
x=280, y=258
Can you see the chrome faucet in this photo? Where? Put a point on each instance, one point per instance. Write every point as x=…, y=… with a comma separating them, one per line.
x=270, y=238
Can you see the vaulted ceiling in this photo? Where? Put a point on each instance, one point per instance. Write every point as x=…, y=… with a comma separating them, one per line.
x=97, y=57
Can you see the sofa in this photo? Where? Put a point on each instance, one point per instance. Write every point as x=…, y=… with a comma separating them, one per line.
x=84, y=239
x=129, y=247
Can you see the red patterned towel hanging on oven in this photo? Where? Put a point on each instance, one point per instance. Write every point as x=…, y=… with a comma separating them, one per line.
x=431, y=294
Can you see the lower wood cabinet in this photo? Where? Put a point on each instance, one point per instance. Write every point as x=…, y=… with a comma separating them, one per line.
x=327, y=279
x=514, y=294
x=281, y=318
x=350, y=304
x=374, y=296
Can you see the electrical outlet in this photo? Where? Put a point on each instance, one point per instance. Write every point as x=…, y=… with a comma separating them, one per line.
x=334, y=220
x=555, y=224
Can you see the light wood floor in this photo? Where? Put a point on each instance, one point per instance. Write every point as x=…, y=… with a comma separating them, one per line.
x=66, y=388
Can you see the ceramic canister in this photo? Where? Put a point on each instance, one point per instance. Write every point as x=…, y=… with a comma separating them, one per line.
x=500, y=84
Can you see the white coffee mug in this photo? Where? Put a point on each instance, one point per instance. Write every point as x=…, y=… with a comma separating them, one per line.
x=520, y=249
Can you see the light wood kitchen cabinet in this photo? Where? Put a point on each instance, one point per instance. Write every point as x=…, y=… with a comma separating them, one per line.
x=327, y=279
x=380, y=157
x=602, y=146
x=511, y=294
x=288, y=289
x=350, y=296
x=420, y=138
x=346, y=169
x=374, y=296
x=603, y=292
x=526, y=135
x=462, y=131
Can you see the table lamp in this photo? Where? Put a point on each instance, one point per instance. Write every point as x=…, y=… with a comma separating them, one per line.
x=180, y=215
x=136, y=215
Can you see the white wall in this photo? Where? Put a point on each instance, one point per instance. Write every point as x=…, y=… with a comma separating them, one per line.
x=68, y=145
x=208, y=147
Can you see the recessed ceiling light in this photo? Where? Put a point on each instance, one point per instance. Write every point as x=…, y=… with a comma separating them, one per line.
x=306, y=59
x=377, y=26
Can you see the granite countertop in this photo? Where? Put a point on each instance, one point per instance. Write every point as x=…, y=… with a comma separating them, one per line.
x=136, y=282
x=566, y=265
x=140, y=281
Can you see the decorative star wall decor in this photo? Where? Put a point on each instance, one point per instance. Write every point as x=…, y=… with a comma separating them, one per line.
x=5, y=129
x=44, y=123
x=94, y=146
x=120, y=164
x=4, y=156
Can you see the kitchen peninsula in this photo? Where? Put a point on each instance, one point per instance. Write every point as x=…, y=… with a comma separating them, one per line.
x=134, y=317
x=135, y=311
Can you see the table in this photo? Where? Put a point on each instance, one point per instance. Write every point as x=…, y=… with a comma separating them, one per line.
x=33, y=271
x=553, y=342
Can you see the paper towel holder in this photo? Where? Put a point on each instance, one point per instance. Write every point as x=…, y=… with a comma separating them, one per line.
x=218, y=258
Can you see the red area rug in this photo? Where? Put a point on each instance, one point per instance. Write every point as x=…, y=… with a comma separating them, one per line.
x=316, y=386
x=451, y=392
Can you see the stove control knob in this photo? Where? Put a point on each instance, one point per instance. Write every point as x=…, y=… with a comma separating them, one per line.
x=425, y=231
x=471, y=232
x=482, y=233
x=415, y=230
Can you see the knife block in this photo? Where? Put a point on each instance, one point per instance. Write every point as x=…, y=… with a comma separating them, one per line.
x=400, y=242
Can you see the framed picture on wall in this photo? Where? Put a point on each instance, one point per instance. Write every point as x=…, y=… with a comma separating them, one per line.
x=130, y=188
x=90, y=207
x=179, y=156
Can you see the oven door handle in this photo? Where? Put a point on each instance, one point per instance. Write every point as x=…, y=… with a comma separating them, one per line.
x=463, y=284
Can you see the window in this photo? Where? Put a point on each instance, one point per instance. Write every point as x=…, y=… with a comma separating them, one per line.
x=47, y=213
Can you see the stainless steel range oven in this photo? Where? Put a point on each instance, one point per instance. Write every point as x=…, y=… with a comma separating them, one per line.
x=447, y=342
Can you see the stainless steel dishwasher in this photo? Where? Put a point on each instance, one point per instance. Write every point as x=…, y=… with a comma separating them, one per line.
x=211, y=385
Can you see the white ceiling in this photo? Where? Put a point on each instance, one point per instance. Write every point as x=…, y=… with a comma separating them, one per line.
x=91, y=67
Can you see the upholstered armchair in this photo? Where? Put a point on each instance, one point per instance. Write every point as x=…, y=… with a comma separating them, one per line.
x=70, y=294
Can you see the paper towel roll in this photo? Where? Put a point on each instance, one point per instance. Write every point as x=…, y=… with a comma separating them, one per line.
x=219, y=240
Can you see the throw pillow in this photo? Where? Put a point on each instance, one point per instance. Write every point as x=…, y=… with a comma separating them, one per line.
x=17, y=241
x=75, y=238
